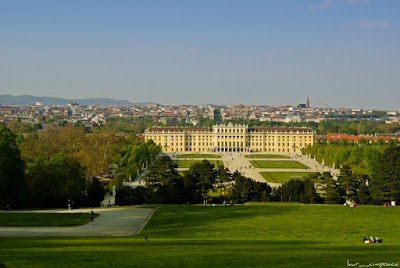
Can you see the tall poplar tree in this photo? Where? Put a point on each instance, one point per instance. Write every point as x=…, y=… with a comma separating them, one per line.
x=385, y=175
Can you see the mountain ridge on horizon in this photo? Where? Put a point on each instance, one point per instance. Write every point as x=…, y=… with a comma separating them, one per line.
x=8, y=99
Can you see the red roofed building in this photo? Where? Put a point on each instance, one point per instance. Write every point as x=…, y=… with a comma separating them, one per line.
x=340, y=136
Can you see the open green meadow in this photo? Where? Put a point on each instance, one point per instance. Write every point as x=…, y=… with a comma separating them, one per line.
x=43, y=219
x=254, y=235
x=278, y=164
x=198, y=156
x=282, y=177
x=266, y=156
x=188, y=163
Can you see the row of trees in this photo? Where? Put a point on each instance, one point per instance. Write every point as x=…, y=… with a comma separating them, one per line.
x=43, y=182
x=369, y=174
x=166, y=185
x=203, y=181
x=356, y=155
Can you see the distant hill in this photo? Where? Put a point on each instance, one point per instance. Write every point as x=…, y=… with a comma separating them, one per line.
x=32, y=100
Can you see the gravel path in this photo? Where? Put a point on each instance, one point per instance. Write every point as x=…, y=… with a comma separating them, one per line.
x=110, y=222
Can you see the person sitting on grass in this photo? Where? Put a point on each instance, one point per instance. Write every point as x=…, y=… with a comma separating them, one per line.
x=372, y=240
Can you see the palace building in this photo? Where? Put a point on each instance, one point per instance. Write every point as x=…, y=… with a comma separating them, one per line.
x=230, y=138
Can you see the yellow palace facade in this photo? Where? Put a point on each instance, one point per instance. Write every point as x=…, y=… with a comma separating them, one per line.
x=230, y=138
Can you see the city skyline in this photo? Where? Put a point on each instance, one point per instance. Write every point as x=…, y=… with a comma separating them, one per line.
x=342, y=53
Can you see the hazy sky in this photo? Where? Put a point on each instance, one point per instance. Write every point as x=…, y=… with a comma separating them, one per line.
x=342, y=53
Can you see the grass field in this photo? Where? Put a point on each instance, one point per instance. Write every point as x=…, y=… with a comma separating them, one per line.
x=266, y=156
x=43, y=219
x=282, y=177
x=278, y=164
x=188, y=163
x=198, y=156
x=255, y=235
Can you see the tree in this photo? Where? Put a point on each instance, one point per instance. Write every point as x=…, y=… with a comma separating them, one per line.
x=94, y=192
x=348, y=182
x=222, y=177
x=52, y=182
x=129, y=196
x=302, y=191
x=161, y=172
x=19, y=127
x=201, y=175
x=245, y=189
x=385, y=175
x=363, y=194
x=12, y=178
x=167, y=184
x=333, y=193
x=45, y=145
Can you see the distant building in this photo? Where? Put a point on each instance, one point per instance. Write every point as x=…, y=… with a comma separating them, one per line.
x=304, y=105
x=340, y=136
x=230, y=138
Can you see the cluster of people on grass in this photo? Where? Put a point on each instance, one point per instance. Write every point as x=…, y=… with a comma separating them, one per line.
x=350, y=204
x=372, y=240
x=389, y=204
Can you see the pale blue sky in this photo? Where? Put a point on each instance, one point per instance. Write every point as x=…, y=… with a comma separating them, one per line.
x=340, y=52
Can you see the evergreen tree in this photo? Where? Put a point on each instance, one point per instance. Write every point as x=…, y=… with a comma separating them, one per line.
x=95, y=192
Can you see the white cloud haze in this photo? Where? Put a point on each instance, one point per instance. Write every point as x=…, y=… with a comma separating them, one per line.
x=331, y=3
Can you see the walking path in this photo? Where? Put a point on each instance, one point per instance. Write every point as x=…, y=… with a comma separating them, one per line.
x=110, y=222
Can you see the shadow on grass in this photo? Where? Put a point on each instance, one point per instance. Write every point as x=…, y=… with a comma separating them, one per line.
x=192, y=221
x=135, y=251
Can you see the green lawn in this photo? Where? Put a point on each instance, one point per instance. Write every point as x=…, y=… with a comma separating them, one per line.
x=198, y=156
x=43, y=219
x=282, y=177
x=188, y=163
x=255, y=235
x=278, y=164
x=266, y=156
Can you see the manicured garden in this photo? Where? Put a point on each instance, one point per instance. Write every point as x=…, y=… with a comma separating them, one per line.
x=188, y=163
x=281, y=177
x=266, y=156
x=198, y=156
x=254, y=235
x=43, y=219
x=278, y=164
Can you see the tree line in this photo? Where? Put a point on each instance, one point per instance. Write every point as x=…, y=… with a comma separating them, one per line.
x=344, y=152
x=369, y=173
x=46, y=169
x=204, y=182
